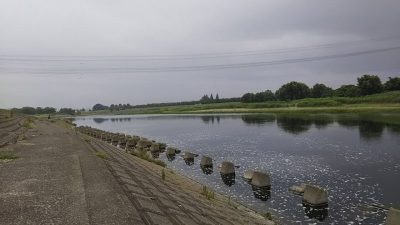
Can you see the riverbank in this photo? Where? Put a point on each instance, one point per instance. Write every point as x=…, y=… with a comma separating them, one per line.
x=383, y=103
x=59, y=176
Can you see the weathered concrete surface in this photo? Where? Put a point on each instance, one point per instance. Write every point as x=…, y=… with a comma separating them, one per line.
x=58, y=179
x=393, y=217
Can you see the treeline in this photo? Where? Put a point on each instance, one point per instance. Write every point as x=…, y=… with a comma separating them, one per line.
x=366, y=85
x=46, y=110
x=204, y=100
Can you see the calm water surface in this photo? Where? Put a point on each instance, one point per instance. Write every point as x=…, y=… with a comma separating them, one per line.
x=355, y=158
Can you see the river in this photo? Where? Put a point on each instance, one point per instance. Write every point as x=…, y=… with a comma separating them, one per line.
x=355, y=157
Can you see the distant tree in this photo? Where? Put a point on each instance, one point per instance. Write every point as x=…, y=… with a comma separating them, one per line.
x=99, y=106
x=211, y=98
x=28, y=110
x=369, y=84
x=39, y=110
x=217, y=98
x=347, y=91
x=320, y=91
x=68, y=111
x=49, y=110
x=248, y=97
x=293, y=90
x=205, y=99
x=82, y=110
x=393, y=84
x=269, y=96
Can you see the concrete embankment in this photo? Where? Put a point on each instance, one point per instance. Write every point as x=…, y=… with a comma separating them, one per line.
x=63, y=177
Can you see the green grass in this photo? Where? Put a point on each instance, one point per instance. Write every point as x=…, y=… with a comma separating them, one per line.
x=29, y=123
x=7, y=156
x=208, y=193
x=384, y=102
x=144, y=155
x=102, y=155
x=163, y=174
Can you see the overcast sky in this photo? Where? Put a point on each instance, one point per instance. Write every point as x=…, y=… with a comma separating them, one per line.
x=75, y=53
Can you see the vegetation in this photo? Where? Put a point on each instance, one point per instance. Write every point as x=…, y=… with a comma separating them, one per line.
x=102, y=155
x=293, y=90
x=47, y=110
x=163, y=174
x=208, y=193
x=29, y=123
x=7, y=156
x=144, y=155
x=369, y=84
x=392, y=84
x=383, y=102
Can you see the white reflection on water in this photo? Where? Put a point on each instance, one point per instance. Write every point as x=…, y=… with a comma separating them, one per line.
x=357, y=161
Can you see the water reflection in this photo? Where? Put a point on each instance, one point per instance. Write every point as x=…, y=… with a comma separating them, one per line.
x=262, y=193
x=228, y=179
x=319, y=213
x=189, y=161
x=210, y=118
x=171, y=157
x=371, y=130
x=155, y=155
x=258, y=119
x=293, y=125
x=207, y=169
x=99, y=120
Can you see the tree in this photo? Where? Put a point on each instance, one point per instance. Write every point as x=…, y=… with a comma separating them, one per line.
x=28, y=110
x=205, y=99
x=248, y=97
x=293, y=90
x=211, y=98
x=67, y=111
x=393, y=84
x=369, y=84
x=99, y=106
x=269, y=96
x=264, y=96
x=347, y=91
x=320, y=91
x=217, y=98
x=49, y=110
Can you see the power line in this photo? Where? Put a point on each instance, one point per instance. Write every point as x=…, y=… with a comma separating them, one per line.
x=49, y=58
x=214, y=66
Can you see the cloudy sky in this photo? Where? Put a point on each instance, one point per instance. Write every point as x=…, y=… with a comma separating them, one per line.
x=75, y=53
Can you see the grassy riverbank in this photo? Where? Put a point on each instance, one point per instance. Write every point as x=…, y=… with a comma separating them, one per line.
x=385, y=102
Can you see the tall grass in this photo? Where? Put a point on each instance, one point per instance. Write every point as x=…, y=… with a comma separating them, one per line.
x=330, y=104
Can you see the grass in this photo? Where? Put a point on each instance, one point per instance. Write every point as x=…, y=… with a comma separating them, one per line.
x=383, y=102
x=163, y=174
x=144, y=155
x=7, y=156
x=29, y=123
x=208, y=193
x=102, y=155
x=267, y=216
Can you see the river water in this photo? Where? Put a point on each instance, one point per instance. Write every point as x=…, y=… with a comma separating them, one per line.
x=356, y=157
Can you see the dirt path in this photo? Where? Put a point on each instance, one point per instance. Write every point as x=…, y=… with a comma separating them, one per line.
x=59, y=179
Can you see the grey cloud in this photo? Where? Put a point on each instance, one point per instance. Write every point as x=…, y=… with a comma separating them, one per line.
x=129, y=28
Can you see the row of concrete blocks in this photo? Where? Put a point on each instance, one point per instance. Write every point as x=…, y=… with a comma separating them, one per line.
x=261, y=181
x=127, y=142
x=312, y=195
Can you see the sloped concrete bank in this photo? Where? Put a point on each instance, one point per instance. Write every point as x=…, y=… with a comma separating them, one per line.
x=61, y=176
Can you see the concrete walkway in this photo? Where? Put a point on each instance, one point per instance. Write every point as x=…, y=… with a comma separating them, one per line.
x=60, y=179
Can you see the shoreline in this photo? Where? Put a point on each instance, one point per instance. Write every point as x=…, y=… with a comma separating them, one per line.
x=58, y=145
x=191, y=185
